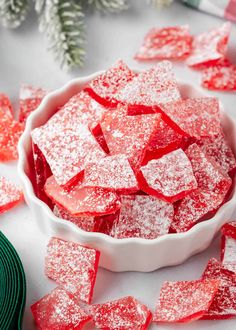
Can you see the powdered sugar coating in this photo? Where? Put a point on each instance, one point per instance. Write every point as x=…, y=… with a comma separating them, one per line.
x=173, y=42
x=73, y=266
x=196, y=117
x=169, y=177
x=229, y=256
x=10, y=194
x=209, y=47
x=185, y=301
x=91, y=201
x=5, y=104
x=58, y=310
x=224, y=303
x=229, y=229
x=143, y=216
x=125, y=313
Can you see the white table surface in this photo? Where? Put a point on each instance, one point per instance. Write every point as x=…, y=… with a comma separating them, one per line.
x=24, y=58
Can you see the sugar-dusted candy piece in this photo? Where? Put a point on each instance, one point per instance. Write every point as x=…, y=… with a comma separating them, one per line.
x=213, y=185
x=111, y=172
x=196, y=117
x=85, y=223
x=129, y=135
x=164, y=141
x=121, y=314
x=68, y=148
x=228, y=252
x=10, y=194
x=91, y=201
x=30, y=98
x=104, y=224
x=143, y=216
x=99, y=136
x=185, y=301
x=5, y=104
x=174, y=42
x=219, y=77
x=150, y=88
x=210, y=47
x=59, y=310
x=105, y=87
x=72, y=266
x=229, y=229
x=169, y=178
x=223, y=305
x=218, y=148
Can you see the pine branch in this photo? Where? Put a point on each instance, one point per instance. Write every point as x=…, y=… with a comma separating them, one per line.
x=107, y=6
x=160, y=3
x=62, y=21
x=13, y=12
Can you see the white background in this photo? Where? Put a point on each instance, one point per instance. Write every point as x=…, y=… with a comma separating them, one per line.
x=24, y=58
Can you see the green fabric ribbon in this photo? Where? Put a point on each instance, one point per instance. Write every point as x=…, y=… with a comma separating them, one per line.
x=12, y=286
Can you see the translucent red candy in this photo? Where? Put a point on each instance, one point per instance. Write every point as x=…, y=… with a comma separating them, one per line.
x=228, y=246
x=223, y=305
x=112, y=172
x=185, y=301
x=196, y=117
x=218, y=148
x=213, y=185
x=124, y=313
x=169, y=178
x=30, y=99
x=173, y=42
x=91, y=201
x=150, y=88
x=129, y=135
x=143, y=216
x=210, y=47
x=72, y=266
x=104, y=88
x=85, y=223
x=58, y=310
x=229, y=229
x=10, y=194
x=5, y=104
x=165, y=140
x=104, y=224
x=219, y=77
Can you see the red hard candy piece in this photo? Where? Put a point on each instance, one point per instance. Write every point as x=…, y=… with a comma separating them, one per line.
x=169, y=178
x=78, y=201
x=143, y=216
x=129, y=135
x=223, y=305
x=210, y=47
x=213, y=185
x=72, y=266
x=99, y=136
x=112, y=172
x=185, y=301
x=104, y=88
x=84, y=223
x=229, y=229
x=228, y=252
x=150, y=88
x=218, y=148
x=219, y=77
x=173, y=42
x=10, y=195
x=196, y=117
x=5, y=104
x=104, y=224
x=121, y=314
x=58, y=310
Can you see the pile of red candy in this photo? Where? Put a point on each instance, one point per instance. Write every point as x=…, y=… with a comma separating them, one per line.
x=206, y=52
x=128, y=157
x=74, y=268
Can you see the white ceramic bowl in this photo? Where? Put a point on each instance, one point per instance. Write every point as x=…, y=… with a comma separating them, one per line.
x=130, y=254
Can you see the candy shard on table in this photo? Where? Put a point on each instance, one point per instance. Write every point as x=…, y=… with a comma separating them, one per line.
x=72, y=266
x=169, y=178
x=10, y=194
x=124, y=313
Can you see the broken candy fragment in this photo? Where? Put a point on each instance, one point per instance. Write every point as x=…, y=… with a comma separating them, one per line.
x=5, y=105
x=169, y=178
x=229, y=229
x=185, y=301
x=72, y=266
x=124, y=313
x=143, y=216
x=174, y=42
x=223, y=305
x=58, y=310
x=10, y=194
x=104, y=224
x=91, y=201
